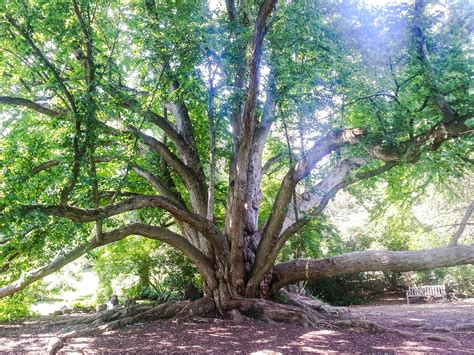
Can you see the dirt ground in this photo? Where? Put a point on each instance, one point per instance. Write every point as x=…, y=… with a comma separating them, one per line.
x=428, y=328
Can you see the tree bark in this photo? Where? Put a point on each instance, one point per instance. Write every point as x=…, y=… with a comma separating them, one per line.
x=371, y=260
x=462, y=225
x=244, y=134
x=254, y=178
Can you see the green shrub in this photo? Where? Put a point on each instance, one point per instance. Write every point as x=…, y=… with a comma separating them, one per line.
x=143, y=269
x=458, y=279
x=16, y=306
x=338, y=291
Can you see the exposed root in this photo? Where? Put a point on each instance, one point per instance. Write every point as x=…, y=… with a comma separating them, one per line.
x=117, y=318
x=237, y=317
x=312, y=304
x=104, y=316
x=298, y=310
x=443, y=338
x=272, y=312
x=373, y=327
x=441, y=329
x=378, y=328
x=466, y=327
x=351, y=322
x=304, y=311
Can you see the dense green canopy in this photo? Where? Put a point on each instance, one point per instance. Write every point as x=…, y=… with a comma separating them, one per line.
x=219, y=128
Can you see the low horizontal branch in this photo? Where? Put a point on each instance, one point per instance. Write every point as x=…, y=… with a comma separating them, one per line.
x=370, y=260
x=179, y=242
x=57, y=263
x=153, y=232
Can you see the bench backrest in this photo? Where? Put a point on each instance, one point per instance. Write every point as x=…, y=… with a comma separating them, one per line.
x=433, y=290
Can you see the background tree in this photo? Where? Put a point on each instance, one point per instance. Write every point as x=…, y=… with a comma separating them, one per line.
x=155, y=118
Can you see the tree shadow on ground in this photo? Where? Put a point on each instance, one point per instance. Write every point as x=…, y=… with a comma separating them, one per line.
x=223, y=336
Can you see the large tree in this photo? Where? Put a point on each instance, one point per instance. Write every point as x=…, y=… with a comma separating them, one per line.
x=221, y=131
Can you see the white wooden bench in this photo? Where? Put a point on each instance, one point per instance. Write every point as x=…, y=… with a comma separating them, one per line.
x=426, y=291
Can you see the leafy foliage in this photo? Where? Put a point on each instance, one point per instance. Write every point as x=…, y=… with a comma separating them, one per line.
x=98, y=68
x=17, y=306
x=142, y=269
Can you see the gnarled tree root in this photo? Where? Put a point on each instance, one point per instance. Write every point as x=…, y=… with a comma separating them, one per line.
x=307, y=312
x=312, y=304
x=117, y=318
x=297, y=310
x=378, y=328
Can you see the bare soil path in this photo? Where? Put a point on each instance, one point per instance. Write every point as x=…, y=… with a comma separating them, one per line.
x=433, y=328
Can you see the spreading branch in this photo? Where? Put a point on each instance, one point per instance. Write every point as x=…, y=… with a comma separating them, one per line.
x=196, y=187
x=45, y=166
x=303, y=168
x=462, y=225
x=128, y=101
x=162, y=234
x=309, y=206
x=55, y=162
x=371, y=260
x=207, y=228
x=272, y=161
x=409, y=151
x=158, y=185
x=18, y=101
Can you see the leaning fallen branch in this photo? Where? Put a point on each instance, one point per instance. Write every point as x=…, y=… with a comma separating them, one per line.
x=371, y=260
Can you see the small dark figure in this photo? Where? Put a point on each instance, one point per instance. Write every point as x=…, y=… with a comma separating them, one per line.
x=192, y=293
